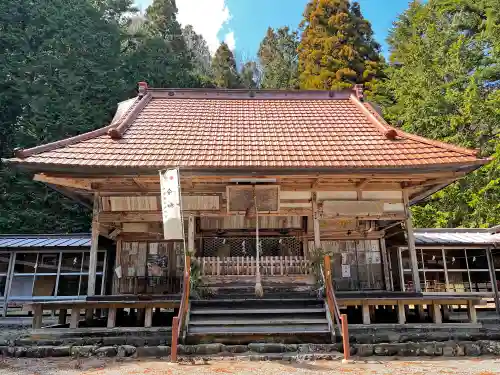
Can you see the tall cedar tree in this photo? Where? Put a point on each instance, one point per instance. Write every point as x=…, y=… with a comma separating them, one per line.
x=445, y=81
x=337, y=48
x=278, y=58
x=198, y=48
x=224, y=68
x=159, y=54
x=249, y=75
x=59, y=64
x=67, y=63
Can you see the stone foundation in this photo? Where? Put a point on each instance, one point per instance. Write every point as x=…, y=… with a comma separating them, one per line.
x=258, y=351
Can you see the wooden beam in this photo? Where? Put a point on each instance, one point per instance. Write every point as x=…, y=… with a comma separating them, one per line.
x=156, y=216
x=63, y=181
x=362, y=184
x=411, y=242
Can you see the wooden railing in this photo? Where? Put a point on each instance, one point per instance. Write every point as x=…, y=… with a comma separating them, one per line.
x=333, y=307
x=179, y=320
x=246, y=266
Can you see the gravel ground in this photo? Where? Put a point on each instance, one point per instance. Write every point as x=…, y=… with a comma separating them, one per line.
x=480, y=366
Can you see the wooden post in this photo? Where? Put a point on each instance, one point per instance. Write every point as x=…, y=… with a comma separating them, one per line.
x=493, y=278
x=445, y=266
x=75, y=318
x=317, y=237
x=148, y=317
x=175, y=337
x=191, y=232
x=401, y=313
x=37, y=316
x=366, y=313
x=436, y=314
x=401, y=270
x=345, y=337
x=62, y=316
x=385, y=262
x=93, y=253
x=411, y=243
x=111, y=317
x=471, y=312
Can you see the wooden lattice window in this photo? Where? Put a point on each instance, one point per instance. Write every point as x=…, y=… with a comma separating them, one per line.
x=240, y=198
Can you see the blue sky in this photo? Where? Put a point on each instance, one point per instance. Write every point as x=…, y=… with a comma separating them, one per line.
x=243, y=23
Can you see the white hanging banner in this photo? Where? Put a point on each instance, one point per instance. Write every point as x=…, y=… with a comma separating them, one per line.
x=171, y=205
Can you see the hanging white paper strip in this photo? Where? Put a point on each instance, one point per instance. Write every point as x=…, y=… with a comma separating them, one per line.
x=170, y=205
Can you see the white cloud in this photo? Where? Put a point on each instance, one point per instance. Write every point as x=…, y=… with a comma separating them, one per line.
x=230, y=41
x=207, y=18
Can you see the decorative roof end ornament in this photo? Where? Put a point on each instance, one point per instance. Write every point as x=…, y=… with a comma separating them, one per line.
x=359, y=91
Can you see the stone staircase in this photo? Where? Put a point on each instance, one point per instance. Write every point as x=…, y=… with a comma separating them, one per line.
x=279, y=317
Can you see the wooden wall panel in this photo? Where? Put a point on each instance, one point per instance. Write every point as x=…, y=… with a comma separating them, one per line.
x=394, y=207
x=144, y=203
x=295, y=195
x=353, y=208
x=324, y=195
x=200, y=202
x=381, y=195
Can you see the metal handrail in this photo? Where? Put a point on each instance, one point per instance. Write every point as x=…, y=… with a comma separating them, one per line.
x=179, y=320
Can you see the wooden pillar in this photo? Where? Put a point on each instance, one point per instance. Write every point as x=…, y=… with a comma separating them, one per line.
x=471, y=312
x=411, y=243
x=191, y=233
x=493, y=278
x=317, y=237
x=401, y=313
x=111, y=317
x=75, y=318
x=93, y=247
x=366, y=313
x=385, y=261
x=445, y=266
x=148, y=318
x=401, y=270
x=93, y=253
x=62, y=316
x=37, y=316
x=436, y=313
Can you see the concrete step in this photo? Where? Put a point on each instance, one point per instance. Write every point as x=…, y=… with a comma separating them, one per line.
x=246, y=321
x=297, y=303
x=267, y=329
x=247, y=311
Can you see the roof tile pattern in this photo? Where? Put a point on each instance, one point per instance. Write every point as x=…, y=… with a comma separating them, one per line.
x=259, y=133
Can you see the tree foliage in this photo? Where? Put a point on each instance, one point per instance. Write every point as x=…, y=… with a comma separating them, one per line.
x=66, y=64
x=278, y=58
x=337, y=48
x=443, y=83
x=224, y=68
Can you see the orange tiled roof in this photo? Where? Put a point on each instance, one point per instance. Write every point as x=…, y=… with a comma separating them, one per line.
x=242, y=129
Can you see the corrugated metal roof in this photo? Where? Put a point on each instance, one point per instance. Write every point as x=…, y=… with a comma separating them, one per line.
x=45, y=240
x=456, y=237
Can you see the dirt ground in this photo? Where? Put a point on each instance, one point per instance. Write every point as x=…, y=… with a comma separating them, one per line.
x=480, y=366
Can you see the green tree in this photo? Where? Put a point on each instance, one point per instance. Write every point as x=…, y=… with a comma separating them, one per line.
x=198, y=48
x=250, y=75
x=156, y=50
x=278, y=57
x=337, y=48
x=224, y=68
x=444, y=78
x=59, y=64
